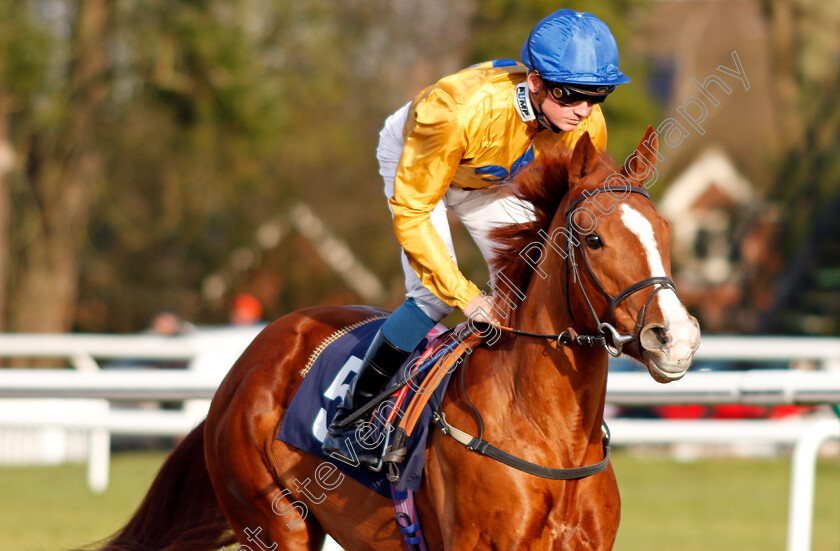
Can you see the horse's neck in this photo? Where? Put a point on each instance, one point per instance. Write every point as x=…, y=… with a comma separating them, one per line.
x=557, y=390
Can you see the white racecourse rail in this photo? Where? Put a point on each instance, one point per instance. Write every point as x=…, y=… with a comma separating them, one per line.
x=52, y=403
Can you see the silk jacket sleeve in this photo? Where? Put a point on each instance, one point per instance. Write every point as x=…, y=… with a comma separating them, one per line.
x=435, y=141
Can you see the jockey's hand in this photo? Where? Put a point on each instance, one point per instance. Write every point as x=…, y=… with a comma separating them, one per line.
x=480, y=309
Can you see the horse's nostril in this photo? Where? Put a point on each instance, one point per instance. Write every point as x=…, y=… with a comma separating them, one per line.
x=653, y=336
x=663, y=335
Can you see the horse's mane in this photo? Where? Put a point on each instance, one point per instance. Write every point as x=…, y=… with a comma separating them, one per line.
x=544, y=186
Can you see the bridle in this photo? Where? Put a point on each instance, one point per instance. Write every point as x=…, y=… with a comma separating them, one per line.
x=607, y=335
x=615, y=341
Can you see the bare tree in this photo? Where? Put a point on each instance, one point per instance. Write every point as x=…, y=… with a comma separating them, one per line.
x=62, y=178
x=6, y=163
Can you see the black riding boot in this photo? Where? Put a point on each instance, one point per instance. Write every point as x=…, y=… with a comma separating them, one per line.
x=381, y=361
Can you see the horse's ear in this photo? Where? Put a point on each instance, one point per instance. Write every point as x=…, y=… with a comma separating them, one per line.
x=641, y=164
x=584, y=159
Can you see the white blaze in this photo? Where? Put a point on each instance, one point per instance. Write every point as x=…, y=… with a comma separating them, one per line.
x=678, y=325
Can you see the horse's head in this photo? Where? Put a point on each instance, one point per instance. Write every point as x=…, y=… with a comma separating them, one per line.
x=618, y=266
x=596, y=227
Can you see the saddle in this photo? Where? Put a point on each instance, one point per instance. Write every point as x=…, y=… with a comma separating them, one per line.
x=397, y=420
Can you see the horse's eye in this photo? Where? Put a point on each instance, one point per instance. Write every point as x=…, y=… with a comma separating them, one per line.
x=593, y=241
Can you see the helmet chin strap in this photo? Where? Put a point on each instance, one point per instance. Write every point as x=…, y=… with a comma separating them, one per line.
x=537, y=100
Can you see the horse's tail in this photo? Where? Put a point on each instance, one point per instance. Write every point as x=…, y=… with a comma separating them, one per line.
x=180, y=511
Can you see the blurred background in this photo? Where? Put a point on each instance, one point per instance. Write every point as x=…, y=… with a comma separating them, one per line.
x=174, y=154
x=169, y=167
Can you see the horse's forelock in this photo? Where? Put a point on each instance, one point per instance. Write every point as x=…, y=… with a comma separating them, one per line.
x=544, y=186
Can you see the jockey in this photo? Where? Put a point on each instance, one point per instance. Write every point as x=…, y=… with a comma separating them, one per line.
x=454, y=148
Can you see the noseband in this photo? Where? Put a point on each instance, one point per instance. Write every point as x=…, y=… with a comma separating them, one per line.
x=614, y=341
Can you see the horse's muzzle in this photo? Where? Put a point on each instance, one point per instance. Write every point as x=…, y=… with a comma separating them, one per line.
x=668, y=349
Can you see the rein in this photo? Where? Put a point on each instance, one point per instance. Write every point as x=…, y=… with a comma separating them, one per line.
x=569, y=336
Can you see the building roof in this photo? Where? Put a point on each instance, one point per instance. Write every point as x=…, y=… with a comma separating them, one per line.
x=712, y=174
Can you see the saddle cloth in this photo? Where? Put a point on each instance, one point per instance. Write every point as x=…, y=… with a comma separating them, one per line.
x=327, y=378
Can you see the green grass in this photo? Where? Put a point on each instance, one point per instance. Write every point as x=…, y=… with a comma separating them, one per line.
x=51, y=508
x=666, y=505
x=720, y=505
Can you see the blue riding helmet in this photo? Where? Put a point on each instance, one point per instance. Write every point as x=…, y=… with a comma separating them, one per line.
x=575, y=48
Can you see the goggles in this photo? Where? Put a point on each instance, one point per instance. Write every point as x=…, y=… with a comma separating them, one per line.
x=567, y=94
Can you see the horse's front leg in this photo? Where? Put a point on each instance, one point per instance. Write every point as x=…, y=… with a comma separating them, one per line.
x=496, y=507
x=589, y=519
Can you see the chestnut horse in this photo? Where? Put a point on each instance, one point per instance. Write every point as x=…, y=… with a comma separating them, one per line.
x=594, y=262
